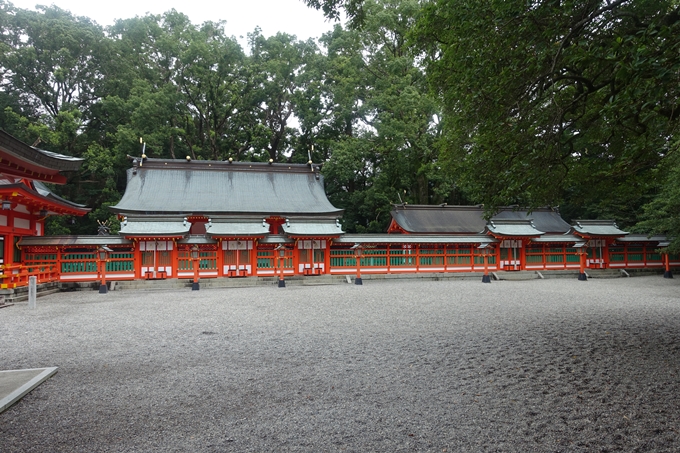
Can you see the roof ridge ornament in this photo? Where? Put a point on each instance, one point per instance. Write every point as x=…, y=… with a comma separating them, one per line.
x=141, y=142
x=314, y=168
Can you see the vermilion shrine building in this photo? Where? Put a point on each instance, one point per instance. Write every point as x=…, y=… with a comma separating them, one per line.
x=238, y=215
x=26, y=202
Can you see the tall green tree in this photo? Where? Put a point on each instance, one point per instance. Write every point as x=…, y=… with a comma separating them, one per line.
x=52, y=58
x=213, y=77
x=556, y=102
x=287, y=79
x=388, y=118
x=662, y=214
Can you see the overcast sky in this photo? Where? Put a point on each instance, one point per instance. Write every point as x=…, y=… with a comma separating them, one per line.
x=242, y=16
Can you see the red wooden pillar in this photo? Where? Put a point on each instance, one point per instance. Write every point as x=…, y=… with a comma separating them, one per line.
x=387, y=257
x=667, y=273
x=219, y=259
x=582, y=271
x=280, y=254
x=296, y=258
x=137, y=259
x=327, y=257
x=606, y=252
x=253, y=258
x=58, y=262
x=522, y=255
x=174, y=258
x=486, y=252
x=102, y=270
x=195, y=255
x=417, y=250
x=9, y=249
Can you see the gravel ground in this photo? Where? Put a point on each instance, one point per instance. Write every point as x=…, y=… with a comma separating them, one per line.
x=449, y=366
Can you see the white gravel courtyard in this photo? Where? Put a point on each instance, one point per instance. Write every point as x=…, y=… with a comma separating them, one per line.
x=450, y=366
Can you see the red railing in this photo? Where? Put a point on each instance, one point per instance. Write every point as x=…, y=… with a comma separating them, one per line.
x=16, y=275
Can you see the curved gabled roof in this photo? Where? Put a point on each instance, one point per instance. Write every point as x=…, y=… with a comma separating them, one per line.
x=39, y=197
x=443, y=219
x=543, y=219
x=47, y=193
x=159, y=186
x=24, y=161
x=512, y=227
x=428, y=219
x=588, y=228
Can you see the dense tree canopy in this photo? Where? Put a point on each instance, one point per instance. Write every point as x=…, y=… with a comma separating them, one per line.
x=553, y=102
x=571, y=103
x=355, y=101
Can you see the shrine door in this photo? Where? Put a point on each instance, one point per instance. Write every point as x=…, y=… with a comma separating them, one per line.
x=156, y=258
x=511, y=254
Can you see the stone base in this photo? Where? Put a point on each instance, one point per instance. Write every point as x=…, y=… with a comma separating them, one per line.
x=582, y=276
x=103, y=289
x=668, y=274
x=486, y=279
x=357, y=281
x=282, y=283
x=195, y=286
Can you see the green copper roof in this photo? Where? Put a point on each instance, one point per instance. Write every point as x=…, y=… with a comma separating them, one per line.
x=596, y=228
x=445, y=219
x=157, y=228
x=511, y=227
x=214, y=188
x=295, y=228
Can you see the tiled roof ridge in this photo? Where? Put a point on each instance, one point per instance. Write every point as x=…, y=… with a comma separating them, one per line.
x=221, y=165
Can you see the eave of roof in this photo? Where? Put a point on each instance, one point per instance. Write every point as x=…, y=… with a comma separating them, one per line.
x=588, y=228
x=19, y=159
x=41, y=199
x=561, y=238
x=197, y=239
x=312, y=229
x=514, y=228
x=132, y=228
x=276, y=239
x=73, y=240
x=414, y=238
x=642, y=238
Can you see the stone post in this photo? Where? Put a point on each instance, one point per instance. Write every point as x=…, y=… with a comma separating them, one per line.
x=32, y=291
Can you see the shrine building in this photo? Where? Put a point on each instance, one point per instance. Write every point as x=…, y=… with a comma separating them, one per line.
x=26, y=201
x=222, y=219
